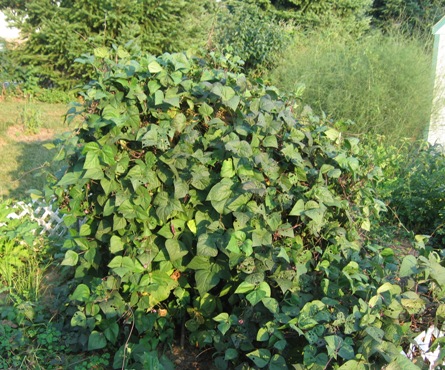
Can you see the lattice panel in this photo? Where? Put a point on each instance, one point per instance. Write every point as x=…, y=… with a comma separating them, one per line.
x=49, y=219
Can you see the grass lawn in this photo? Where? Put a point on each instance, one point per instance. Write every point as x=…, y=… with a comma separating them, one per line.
x=24, y=129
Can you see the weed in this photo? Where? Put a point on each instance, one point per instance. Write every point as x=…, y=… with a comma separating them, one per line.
x=31, y=119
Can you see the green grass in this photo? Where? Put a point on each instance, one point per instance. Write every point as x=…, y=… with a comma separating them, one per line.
x=24, y=129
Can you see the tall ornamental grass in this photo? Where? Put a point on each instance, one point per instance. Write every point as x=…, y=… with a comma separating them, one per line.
x=381, y=83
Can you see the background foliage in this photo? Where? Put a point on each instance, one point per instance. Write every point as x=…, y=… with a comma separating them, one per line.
x=256, y=36
x=352, y=16
x=413, y=185
x=411, y=16
x=58, y=32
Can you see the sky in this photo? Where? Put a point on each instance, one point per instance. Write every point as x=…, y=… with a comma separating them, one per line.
x=6, y=32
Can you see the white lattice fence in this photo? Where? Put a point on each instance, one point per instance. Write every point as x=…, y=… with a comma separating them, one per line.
x=44, y=214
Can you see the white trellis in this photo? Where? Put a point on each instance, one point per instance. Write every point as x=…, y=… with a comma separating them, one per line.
x=48, y=218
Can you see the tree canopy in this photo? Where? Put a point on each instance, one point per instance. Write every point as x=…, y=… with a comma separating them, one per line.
x=413, y=16
x=354, y=15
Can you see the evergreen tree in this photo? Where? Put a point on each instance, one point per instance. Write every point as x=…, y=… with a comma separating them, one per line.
x=56, y=32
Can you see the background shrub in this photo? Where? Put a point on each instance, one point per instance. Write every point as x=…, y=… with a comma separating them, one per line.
x=412, y=185
x=251, y=33
x=381, y=83
x=410, y=16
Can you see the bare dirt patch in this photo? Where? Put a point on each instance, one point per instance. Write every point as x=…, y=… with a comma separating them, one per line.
x=18, y=133
x=189, y=358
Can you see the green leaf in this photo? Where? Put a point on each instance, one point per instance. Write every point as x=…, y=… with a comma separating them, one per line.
x=154, y=67
x=159, y=99
x=199, y=263
x=375, y=333
x=207, y=245
x=116, y=244
x=261, y=237
x=245, y=287
x=91, y=161
x=69, y=178
x=260, y=357
x=227, y=169
x=220, y=191
x=81, y=293
x=233, y=102
x=71, y=258
x=166, y=206
x=354, y=365
x=96, y=341
x=271, y=304
x=101, y=52
x=332, y=134
x=437, y=272
x=401, y=362
x=337, y=346
x=79, y=319
x=176, y=249
x=111, y=332
x=224, y=92
x=94, y=173
x=222, y=317
x=277, y=362
x=298, y=208
x=256, y=296
x=412, y=302
x=408, y=266
x=206, y=280
x=283, y=254
x=115, y=262
x=219, y=194
x=240, y=148
x=270, y=142
x=205, y=110
x=440, y=313
x=191, y=224
x=85, y=230
x=262, y=334
x=230, y=354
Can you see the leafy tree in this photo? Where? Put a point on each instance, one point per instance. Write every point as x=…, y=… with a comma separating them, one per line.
x=412, y=16
x=349, y=15
x=259, y=30
x=55, y=33
x=251, y=33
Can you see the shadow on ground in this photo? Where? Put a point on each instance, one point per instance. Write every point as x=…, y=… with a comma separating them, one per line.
x=33, y=162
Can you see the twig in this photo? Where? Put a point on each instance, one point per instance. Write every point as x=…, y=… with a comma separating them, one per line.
x=128, y=339
x=200, y=353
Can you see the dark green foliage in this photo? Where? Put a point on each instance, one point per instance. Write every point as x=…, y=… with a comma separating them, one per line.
x=413, y=185
x=251, y=33
x=351, y=16
x=57, y=32
x=411, y=16
x=198, y=203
